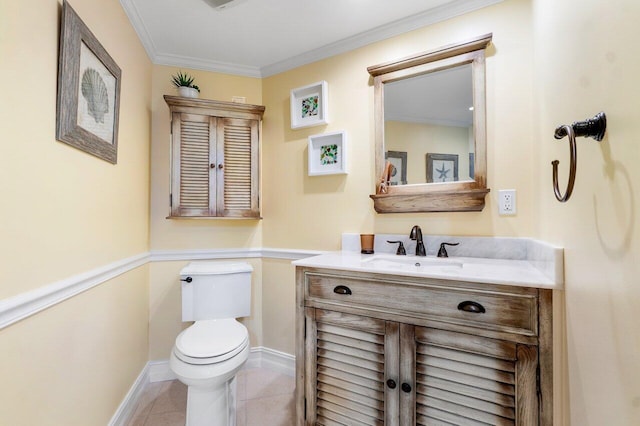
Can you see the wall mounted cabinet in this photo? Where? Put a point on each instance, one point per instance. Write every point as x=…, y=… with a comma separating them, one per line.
x=214, y=158
x=388, y=350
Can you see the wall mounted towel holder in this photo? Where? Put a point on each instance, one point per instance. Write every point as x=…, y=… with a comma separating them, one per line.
x=592, y=127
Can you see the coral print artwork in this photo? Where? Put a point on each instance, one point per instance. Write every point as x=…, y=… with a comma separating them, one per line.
x=328, y=154
x=310, y=106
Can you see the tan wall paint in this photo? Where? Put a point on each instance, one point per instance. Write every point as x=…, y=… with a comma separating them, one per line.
x=173, y=234
x=584, y=65
x=66, y=212
x=190, y=233
x=74, y=363
x=320, y=208
x=279, y=302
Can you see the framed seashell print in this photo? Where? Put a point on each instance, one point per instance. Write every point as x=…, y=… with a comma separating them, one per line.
x=88, y=90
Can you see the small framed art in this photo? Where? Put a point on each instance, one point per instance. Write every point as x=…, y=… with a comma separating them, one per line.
x=442, y=168
x=309, y=105
x=328, y=154
x=88, y=90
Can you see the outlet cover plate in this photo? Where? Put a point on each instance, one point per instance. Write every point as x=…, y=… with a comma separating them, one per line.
x=507, y=202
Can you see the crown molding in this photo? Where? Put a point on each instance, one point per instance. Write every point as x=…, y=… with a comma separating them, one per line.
x=420, y=20
x=402, y=26
x=206, y=65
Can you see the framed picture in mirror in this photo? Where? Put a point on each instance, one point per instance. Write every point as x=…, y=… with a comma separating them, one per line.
x=398, y=160
x=442, y=168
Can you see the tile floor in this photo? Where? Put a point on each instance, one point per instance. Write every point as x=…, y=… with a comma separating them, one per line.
x=265, y=398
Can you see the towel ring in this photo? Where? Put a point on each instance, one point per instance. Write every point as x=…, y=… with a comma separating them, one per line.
x=595, y=128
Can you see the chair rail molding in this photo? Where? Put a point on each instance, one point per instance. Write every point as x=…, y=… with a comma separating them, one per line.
x=23, y=305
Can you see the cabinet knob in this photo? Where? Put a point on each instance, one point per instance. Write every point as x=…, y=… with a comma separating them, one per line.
x=221, y=166
x=406, y=387
x=212, y=165
x=342, y=289
x=473, y=307
x=391, y=384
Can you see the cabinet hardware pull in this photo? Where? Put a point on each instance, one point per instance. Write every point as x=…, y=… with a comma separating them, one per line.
x=391, y=383
x=220, y=166
x=473, y=307
x=406, y=387
x=212, y=165
x=342, y=289
x=188, y=279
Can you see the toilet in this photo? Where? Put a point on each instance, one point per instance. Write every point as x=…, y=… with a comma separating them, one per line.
x=207, y=355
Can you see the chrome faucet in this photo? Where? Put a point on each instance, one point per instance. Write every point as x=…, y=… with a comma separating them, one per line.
x=416, y=234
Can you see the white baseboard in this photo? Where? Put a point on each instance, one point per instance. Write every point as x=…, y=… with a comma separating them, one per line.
x=127, y=408
x=159, y=371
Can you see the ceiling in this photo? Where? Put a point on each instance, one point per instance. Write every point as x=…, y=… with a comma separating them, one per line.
x=259, y=38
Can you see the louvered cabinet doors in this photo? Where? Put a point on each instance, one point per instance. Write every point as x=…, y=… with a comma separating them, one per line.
x=214, y=158
x=376, y=349
x=368, y=371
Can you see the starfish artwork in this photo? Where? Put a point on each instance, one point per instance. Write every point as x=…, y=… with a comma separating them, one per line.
x=443, y=171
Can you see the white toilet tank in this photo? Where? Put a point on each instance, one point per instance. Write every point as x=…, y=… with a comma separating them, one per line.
x=215, y=290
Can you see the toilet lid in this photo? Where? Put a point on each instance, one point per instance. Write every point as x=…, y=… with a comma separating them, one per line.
x=212, y=338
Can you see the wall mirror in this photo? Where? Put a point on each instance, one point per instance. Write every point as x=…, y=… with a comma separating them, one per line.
x=430, y=130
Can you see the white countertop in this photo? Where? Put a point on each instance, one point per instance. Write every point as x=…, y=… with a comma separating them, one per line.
x=523, y=273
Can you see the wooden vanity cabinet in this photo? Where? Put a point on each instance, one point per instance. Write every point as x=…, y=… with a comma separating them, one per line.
x=214, y=158
x=387, y=350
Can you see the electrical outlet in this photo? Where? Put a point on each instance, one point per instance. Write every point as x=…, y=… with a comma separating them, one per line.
x=507, y=199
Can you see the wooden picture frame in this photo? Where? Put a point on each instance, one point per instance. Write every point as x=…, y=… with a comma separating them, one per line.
x=399, y=161
x=442, y=168
x=88, y=90
x=309, y=105
x=328, y=154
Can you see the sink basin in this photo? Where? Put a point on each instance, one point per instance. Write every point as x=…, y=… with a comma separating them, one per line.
x=414, y=263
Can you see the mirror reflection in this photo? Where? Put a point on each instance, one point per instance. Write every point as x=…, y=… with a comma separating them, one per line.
x=428, y=127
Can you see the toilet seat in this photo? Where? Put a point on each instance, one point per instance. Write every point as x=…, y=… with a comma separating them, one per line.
x=211, y=341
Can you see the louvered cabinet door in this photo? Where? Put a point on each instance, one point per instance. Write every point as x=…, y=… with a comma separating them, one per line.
x=193, y=178
x=237, y=173
x=467, y=380
x=347, y=361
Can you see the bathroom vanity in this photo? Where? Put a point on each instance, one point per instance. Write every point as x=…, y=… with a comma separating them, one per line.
x=405, y=340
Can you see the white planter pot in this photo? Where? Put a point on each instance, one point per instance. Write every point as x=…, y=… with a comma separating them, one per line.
x=187, y=92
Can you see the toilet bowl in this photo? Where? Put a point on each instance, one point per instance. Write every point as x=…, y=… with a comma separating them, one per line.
x=208, y=354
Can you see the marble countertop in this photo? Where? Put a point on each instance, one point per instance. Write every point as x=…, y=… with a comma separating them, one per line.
x=539, y=265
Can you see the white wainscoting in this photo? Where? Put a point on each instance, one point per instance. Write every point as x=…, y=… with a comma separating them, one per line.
x=29, y=303
x=23, y=305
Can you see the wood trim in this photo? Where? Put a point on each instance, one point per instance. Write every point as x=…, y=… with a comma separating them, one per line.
x=526, y=381
x=216, y=108
x=391, y=372
x=471, y=200
x=445, y=197
x=444, y=52
x=300, y=351
x=545, y=356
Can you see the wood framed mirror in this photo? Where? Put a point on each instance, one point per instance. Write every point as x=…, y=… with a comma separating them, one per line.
x=430, y=111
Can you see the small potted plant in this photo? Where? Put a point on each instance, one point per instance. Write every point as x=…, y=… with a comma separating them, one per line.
x=184, y=83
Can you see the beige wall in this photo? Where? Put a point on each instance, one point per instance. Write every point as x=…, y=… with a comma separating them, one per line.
x=173, y=234
x=66, y=212
x=69, y=212
x=168, y=234
x=584, y=65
